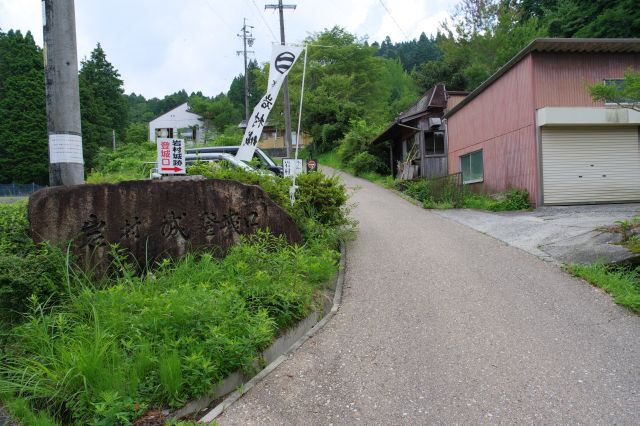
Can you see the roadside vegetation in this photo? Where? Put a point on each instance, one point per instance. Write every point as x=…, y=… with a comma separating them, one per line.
x=622, y=283
x=78, y=350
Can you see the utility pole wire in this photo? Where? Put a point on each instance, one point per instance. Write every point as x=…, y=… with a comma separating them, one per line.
x=264, y=21
x=394, y=20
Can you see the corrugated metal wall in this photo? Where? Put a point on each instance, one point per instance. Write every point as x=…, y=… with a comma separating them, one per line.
x=500, y=121
x=560, y=78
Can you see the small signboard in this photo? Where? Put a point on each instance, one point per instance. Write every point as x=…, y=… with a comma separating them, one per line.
x=312, y=165
x=171, y=156
x=292, y=167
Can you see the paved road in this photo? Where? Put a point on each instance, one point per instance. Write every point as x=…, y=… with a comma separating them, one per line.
x=441, y=324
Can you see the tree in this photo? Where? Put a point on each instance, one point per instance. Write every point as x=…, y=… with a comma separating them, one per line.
x=103, y=107
x=626, y=94
x=236, y=90
x=23, y=125
x=218, y=112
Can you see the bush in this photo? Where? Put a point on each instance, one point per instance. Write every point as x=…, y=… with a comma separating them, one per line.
x=357, y=140
x=321, y=198
x=163, y=338
x=416, y=189
x=14, y=230
x=128, y=162
x=39, y=274
x=318, y=197
x=513, y=199
x=365, y=162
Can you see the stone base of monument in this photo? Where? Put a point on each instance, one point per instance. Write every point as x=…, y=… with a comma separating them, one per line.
x=235, y=385
x=152, y=220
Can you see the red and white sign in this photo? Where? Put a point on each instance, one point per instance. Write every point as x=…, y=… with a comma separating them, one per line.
x=171, y=156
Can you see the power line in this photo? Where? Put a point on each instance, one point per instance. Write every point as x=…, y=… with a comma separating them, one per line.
x=215, y=13
x=264, y=21
x=394, y=20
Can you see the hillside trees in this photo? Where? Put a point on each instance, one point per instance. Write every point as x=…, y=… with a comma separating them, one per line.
x=102, y=104
x=236, y=89
x=484, y=34
x=23, y=122
x=345, y=82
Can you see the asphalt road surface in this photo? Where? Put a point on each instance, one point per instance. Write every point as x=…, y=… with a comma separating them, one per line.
x=441, y=324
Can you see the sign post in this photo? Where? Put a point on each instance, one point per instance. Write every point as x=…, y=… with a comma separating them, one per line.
x=292, y=167
x=171, y=156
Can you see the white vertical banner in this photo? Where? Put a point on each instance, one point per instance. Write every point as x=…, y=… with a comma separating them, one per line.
x=282, y=59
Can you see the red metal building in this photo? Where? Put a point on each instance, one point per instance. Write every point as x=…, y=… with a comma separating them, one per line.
x=533, y=125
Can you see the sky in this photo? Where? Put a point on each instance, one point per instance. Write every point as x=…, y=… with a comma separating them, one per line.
x=162, y=46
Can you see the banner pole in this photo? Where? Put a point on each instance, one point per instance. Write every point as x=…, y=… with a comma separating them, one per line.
x=304, y=72
x=292, y=191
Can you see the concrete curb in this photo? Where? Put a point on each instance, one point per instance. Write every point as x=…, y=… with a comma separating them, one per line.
x=234, y=396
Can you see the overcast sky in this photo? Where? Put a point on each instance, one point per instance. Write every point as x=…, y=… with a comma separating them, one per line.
x=162, y=46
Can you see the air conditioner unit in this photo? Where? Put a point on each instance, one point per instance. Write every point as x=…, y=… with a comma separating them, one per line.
x=434, y=122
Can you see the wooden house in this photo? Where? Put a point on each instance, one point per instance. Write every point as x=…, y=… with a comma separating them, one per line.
x=418, y=138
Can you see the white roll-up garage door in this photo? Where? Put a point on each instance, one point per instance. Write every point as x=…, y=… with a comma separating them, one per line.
x=590, y=164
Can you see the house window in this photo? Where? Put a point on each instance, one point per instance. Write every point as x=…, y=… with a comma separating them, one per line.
x=434, y=143
x=617, y=83
x=471, y=167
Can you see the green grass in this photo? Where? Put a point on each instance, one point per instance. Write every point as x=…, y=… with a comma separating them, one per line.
x=448, y=195
x=82, y=351
x=332, y=159
x=621, y=283
x=22, y=413
x=128, y=162
x=163, y=338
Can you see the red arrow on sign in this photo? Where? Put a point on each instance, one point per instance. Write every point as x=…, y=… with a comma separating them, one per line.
x=174, y=169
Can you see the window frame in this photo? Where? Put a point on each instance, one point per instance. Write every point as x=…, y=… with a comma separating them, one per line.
x=469, y=154
x=444, y=143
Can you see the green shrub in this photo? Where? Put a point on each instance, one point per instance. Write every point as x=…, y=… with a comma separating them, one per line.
x=514, y=199
x=416, y=189
x=14, y=230
x=357, y=140
x=165, y=337
x=128, y=162
x=40, y=273
x=322, y=198
x=231, y=136
x=365, y=162
x=319, y=197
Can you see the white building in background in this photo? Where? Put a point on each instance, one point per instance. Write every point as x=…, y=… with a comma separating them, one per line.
x=178, y=123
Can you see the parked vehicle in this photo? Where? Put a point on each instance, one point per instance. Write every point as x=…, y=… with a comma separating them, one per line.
x=230, y=160
x=266, y=162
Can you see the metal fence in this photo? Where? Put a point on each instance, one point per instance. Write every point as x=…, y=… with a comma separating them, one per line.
x=18, y=189
x=447, y=189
